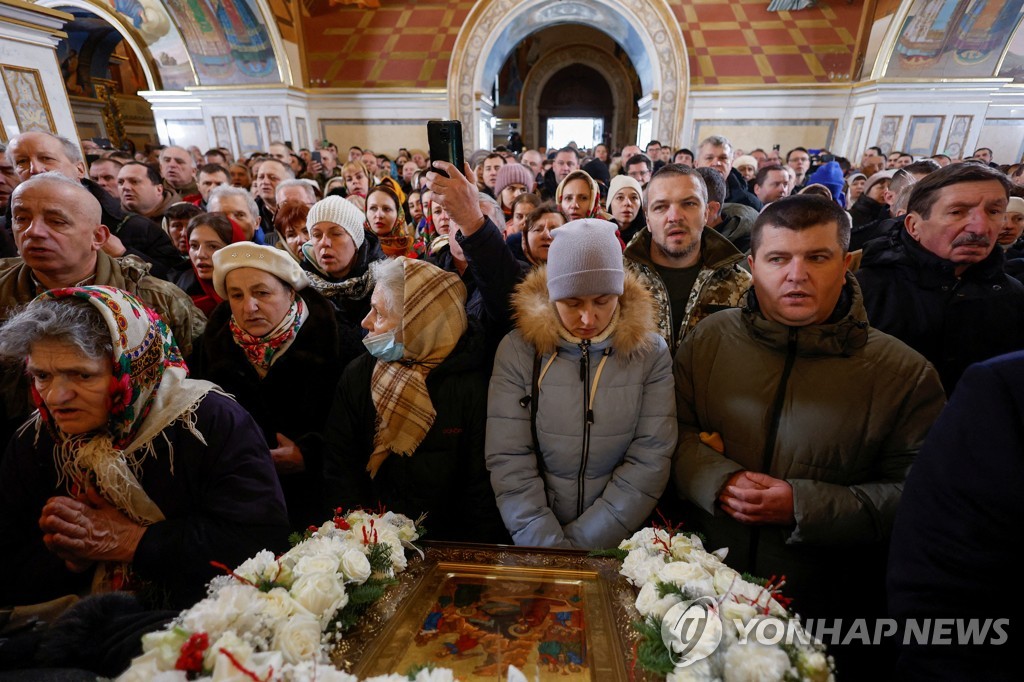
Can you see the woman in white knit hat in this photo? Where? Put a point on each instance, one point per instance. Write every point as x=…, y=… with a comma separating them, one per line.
x=626, y=205
x=581, y=408
x=273, y=344
x=337, y=263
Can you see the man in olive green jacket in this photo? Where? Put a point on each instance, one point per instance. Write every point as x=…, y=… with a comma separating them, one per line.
x=691, y=271
x=56, y=225
x=798, y=422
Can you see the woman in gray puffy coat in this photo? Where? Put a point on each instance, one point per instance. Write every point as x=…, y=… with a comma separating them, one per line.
x=581, y=410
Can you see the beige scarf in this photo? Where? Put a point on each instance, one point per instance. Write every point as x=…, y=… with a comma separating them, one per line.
x=433, y=321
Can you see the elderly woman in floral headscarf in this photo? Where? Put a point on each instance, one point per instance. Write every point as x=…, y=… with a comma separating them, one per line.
x=130, y=476
x=407, y=426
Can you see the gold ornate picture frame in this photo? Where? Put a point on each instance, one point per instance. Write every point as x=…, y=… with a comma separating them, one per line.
x=28, y=99
x=477, y=609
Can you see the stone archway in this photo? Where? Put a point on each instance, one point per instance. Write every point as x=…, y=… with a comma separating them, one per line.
x=606, y=64
x=647, y=31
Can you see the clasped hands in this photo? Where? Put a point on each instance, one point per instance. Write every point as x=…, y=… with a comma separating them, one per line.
x=753, y=498
x=88, y=529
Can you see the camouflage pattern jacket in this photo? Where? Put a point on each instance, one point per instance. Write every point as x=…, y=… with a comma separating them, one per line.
x=720, y=284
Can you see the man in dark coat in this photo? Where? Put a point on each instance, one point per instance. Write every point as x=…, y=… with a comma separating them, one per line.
x=35, y=153
x=953, y=537
x=938, y=285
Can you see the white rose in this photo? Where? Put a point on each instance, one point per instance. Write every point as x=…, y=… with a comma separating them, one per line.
x=648, y=603
x=317, y=671
x=728, y=581
x=322, y=594
x=326, y=562
x=298, y=638
x=262, y=666
x=235, y=606
x=639, y=567
x=165, y=645
x=355, y=566
x=260, y=568
x=733, y=611
x=279, y=605
x=687, y=576
x=813, y=665
x=752, y=662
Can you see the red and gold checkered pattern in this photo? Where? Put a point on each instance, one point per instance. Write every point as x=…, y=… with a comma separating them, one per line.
x=402, y=44
x=741, y=42
x=409, y=44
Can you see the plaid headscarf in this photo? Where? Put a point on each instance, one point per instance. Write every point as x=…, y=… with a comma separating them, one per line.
x=433, y=321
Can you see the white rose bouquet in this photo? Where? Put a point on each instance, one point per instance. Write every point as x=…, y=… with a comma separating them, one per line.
x=670, y=567
x=276, y=617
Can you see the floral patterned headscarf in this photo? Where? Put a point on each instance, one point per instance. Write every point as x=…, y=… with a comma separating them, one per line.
x=397, y=241
x=149, y=390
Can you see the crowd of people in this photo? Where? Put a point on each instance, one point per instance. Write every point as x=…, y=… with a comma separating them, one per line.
x=551, y=348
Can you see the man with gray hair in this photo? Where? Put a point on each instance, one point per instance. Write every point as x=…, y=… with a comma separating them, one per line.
x=295, y=190
x=58, y=230
x=178, y=169
x=716, y=152
x=33, y=153
x=238, y=205
x=938, y=284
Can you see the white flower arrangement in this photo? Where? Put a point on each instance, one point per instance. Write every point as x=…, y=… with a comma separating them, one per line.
x=275, y=619
x=671, y=567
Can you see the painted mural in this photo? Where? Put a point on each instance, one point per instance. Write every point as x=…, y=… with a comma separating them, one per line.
x=954, y=38
x=1013, y=63
x=225, y=40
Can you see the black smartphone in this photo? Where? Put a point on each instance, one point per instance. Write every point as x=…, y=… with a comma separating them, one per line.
x=316, y=156
x=776, y=147
x=445, y=141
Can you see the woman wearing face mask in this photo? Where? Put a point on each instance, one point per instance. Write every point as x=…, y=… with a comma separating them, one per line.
x=407, y=424
x=626, y=204
x=581, y=409
x=274, y=345
x=206, y=234
x=337, y=261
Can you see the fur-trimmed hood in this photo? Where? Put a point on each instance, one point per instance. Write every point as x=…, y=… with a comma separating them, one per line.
x=537, y=320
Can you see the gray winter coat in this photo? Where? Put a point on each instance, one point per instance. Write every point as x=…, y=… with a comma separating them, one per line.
x=601, y=477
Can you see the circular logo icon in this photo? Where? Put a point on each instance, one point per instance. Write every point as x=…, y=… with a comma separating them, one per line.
x=691, y=630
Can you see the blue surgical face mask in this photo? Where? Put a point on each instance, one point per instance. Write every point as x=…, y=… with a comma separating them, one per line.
x=384, y=347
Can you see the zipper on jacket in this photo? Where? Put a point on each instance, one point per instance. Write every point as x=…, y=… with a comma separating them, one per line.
x=773, y=434
x=588, y=419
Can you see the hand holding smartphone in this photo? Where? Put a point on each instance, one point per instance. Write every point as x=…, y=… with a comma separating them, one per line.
x=444, y=139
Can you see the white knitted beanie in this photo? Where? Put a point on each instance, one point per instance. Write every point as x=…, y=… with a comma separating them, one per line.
x=340, y=211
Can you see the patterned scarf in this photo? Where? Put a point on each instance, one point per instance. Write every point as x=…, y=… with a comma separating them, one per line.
x=263, y=351
x=397, y=241
x=149, y=391
x=433, y=321
x=594, y=210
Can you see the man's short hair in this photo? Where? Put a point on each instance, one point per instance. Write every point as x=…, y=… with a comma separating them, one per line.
x=640, y=158
x=796, y=149
x=217, y=193
x=801, y=212
x=670, y=170
x=715, y=141
x=71, y=150
x=926, y=192
x=107, y=159
x=285, y=184
x=211, y=168
x=494, y=155
x=568, y=149
x=289, y=172
x=762, y=174
x=152, y=174
x=982, y=149
x=878, y=150
x=922, y=167
x=714, y=183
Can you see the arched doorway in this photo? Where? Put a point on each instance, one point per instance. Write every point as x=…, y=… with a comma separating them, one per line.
x=646, y=30
x=618, y=92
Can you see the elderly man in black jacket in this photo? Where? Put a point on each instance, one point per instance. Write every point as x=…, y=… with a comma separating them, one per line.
x=938, y=285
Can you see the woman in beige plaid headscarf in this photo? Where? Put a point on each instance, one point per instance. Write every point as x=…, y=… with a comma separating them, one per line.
x=406, y=430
